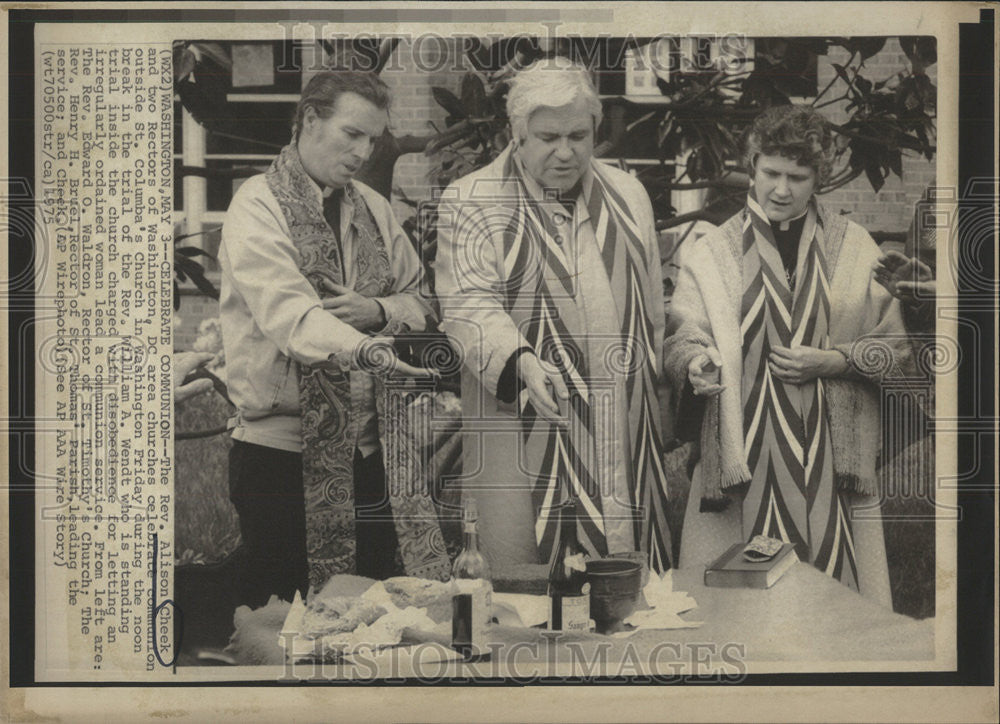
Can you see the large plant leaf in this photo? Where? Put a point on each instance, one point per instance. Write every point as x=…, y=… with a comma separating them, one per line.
x=449, y=101
x=759, y=90
x=192, y=251
x=875, y=173
x=895, y=160
x=196, y=272
x=863, y=85
x=921, y=51
x=473, y=95
x=204, y=91
x=869, y=157
x=875, y=177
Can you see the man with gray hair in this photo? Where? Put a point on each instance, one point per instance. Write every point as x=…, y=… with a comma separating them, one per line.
x=550, y=287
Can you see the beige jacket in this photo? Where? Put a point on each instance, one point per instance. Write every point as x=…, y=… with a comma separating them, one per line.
x=271, y=316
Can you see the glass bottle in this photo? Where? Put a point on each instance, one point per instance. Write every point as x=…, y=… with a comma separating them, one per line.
x=569, y=591
x=472, y=591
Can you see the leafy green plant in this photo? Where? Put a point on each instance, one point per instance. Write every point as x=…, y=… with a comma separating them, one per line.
x=186, y=268
x=708, y=109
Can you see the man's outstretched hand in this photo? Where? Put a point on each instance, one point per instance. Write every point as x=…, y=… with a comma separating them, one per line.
x=908, y=279
x=539, y=376
x=184, y=364
x=377, y=356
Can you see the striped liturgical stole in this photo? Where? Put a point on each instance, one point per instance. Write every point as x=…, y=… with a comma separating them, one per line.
x=792, y=494
x=541, y=297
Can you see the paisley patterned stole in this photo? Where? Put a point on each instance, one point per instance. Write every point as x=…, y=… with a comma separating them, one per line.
x=328, y=424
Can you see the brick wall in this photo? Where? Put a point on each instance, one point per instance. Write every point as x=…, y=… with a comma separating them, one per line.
x=415, y=112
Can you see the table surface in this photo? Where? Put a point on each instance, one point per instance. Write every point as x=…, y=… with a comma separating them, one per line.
x=805, y=621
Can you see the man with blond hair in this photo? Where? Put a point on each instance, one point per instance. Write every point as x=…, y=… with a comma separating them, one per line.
x=317, y=276
x=550, y=287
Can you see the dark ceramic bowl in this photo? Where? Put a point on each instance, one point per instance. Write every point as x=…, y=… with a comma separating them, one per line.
x=614, y=592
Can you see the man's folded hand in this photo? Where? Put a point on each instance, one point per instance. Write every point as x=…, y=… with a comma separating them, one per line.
x=363, y=313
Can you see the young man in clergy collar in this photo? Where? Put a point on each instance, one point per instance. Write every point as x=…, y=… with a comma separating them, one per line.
x=549, y=281
x=782, y=339
x=316, y=276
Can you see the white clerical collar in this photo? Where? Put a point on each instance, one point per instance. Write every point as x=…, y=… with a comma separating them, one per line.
x=787, y=223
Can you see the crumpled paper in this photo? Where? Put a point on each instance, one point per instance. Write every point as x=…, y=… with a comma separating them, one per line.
x=666, y=605
x=253, y=642
x=385, y=631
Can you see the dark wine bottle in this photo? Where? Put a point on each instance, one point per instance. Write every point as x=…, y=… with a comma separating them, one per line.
x=569, y=591
x=472, y=592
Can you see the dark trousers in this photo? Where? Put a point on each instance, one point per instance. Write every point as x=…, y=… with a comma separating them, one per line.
x=265, y=485
x=375, y=531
